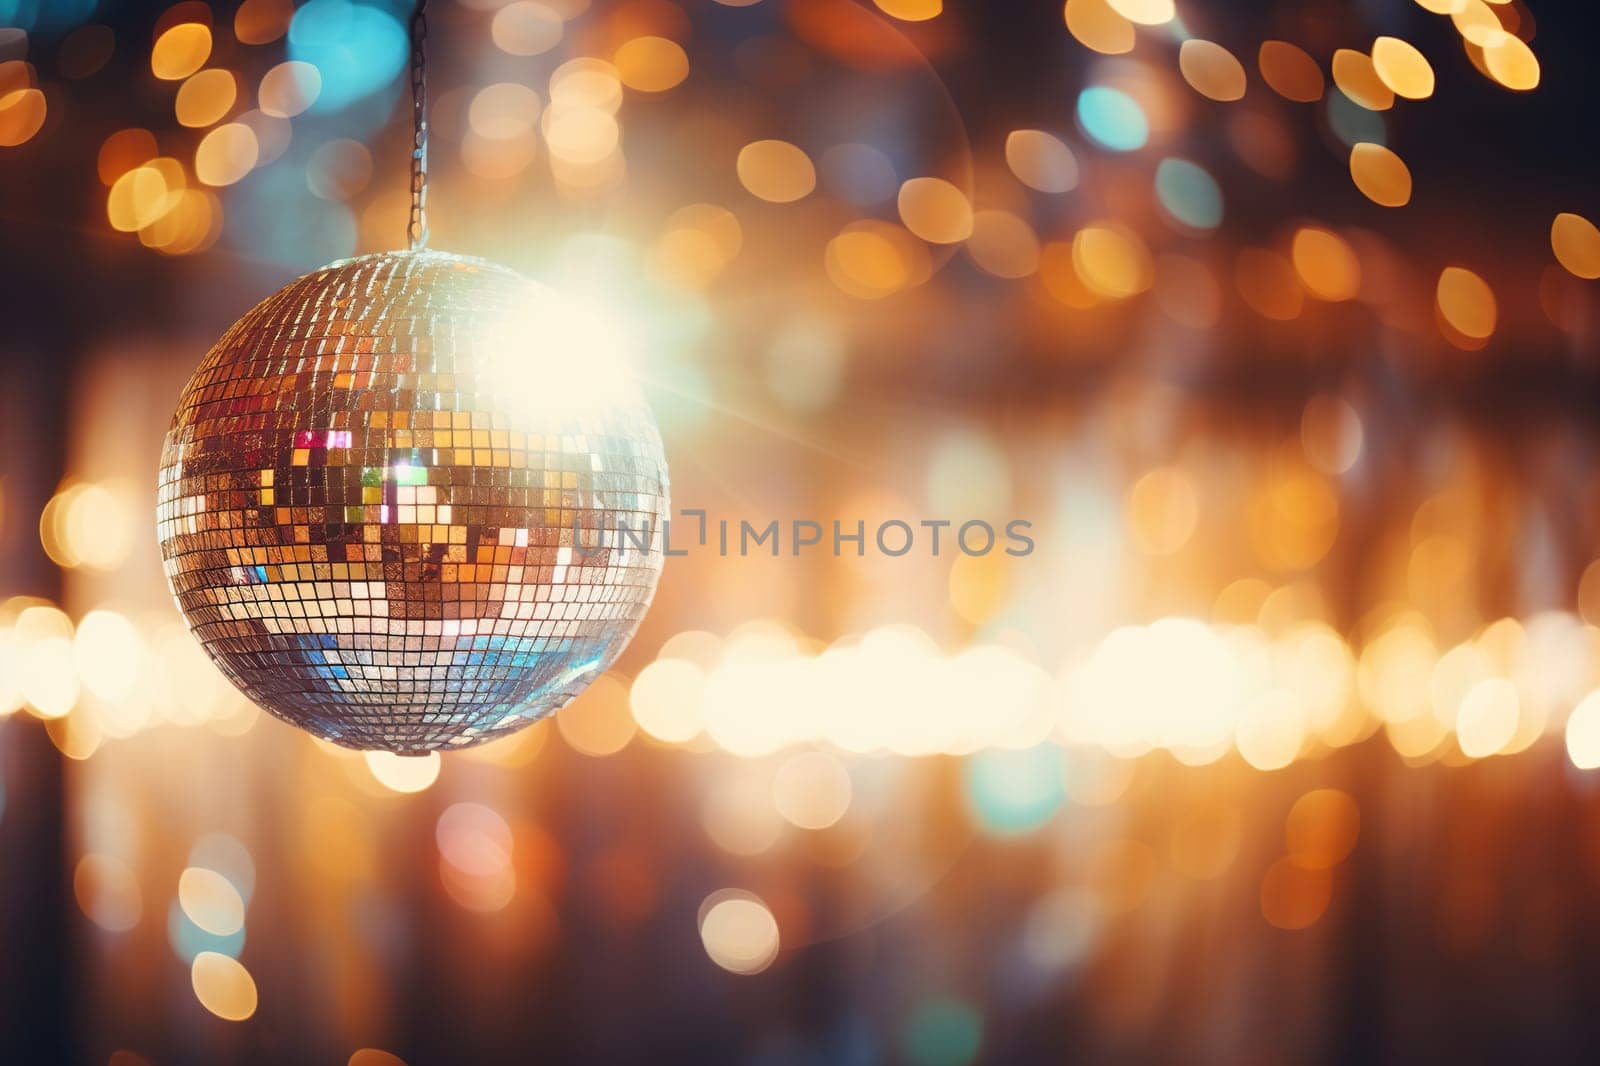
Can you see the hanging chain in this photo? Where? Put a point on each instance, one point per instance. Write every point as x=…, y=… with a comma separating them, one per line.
x=417, y=228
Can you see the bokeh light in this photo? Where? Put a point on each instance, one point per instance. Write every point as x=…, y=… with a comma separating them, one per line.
x=776, y=171
x=355, y=48
x=223, y=986
x=738, y=931
x=1112, y=118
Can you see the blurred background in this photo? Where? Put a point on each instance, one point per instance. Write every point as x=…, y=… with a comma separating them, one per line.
x=1277, y=320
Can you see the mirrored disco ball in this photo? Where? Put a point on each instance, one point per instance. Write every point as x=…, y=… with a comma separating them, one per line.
x=413, y=501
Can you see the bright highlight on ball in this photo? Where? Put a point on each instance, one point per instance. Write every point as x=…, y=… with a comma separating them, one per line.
x=389, y=502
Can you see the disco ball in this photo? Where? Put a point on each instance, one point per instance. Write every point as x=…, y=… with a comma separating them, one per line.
x=413, y=501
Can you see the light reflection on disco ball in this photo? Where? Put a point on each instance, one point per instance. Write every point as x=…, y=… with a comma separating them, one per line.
x=369, y=495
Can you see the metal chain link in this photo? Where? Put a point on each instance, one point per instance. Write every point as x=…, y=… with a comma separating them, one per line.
x=417, y=228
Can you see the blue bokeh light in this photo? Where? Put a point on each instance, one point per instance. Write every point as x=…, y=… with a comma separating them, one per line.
x=188, y=940
x=1189, y=194
x=45, y=16
x=1112, y=119
x=357, y=48
x=1011, y=792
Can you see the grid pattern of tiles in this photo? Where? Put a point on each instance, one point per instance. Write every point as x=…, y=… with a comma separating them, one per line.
x=381, y=538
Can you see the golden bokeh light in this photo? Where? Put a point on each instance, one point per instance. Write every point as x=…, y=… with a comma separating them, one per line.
x=1576, y=243
x=651, y=64
x=1487, y=720
x=738, y=816
x=403, y=773
x=738, y=931
x=1510, y=61
x=504, y=111
x=1211, y=70
x=1291, y=72
x=262, y=21
x=1322, y=829
x=1382, y=176
x=1326, y=263
x=776, y=171
x=587, y=82
x=1145, y=12
x=576, y=176
x=697, y=243
x=1589, y=593
x=107, y=892
x=481, y=893
x=223, y=986
x=911, y=10
x=17, y=74
x=1476, y=21
x=1583, y=733
x=371, y=1056
x=211, y=901
x=870, y=259
x=139, y=197
x=22, y=114
x=935, y=210
x=1060, y=278
x=1466, y=302
x=226, y=154
x=109, y=653
x=476, y=848
x=192, y=224
x=1293, y=518
x=1357, y=78
x=1271, y=732
x=598, y=723
x=1162, y=510
x=526, y=28
x=1293, y=897
x=979, y=587
x=665, y=699
x=206, y=98
x=1003, y=244
x=580, y=134
x=811, y=790
x=1302, y=547
x=1112, y=260
x=1041, y=161
x=1099, y=28
x=90, y=525
x=1499, y=720
x=180, y=51
x=289, y=88
x=1402, y=68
